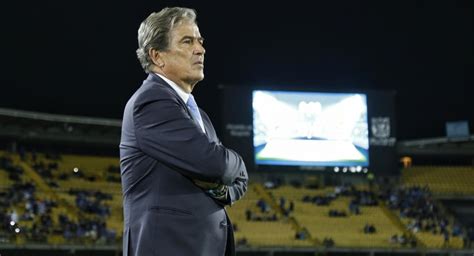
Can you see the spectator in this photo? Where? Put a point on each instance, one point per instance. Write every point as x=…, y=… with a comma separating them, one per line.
x=300, y=235
x=282, y=202
x=248, y=214
x=446, y=237
x=328, y=242
x=337, y=213
x=354, y=207
x=402, y=240
x=394, y=239
x=369, y=229
x=242, y=242
x=264, y=207
x=456, y=230
x=14, y=216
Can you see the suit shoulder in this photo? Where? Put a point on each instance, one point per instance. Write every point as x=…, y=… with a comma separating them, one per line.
x=152, y=90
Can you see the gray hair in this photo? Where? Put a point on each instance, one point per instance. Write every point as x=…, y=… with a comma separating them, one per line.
x=155, y=30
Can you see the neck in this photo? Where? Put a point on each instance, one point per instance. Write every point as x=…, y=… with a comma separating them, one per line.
x=186, y=86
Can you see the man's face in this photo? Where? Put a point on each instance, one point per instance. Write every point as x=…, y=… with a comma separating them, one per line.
x=184, y=59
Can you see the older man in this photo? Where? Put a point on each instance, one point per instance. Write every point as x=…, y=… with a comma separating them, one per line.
x=176, y=175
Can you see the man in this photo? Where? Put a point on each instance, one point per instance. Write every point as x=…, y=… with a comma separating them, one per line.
x=176, y=175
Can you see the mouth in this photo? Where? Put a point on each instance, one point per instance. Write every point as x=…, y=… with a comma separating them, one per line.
x=199, y=62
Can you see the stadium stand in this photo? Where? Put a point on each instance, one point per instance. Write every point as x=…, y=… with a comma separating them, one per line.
x=312, y=208
x=65, y=213
x=421, y=214
x=260, y=224
x=85, y=191
x=78, y=200
x=442, y=180
x=74, y=199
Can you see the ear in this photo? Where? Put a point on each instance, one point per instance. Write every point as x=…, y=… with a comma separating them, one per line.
x=156, y=57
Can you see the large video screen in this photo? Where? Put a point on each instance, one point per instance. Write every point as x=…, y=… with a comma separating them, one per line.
x=310, y=128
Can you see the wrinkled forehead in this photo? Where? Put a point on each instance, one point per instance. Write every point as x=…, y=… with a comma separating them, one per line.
x=185, y=28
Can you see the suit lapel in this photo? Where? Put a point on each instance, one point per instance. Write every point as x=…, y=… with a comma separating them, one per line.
x=207, y=124
x=210, y=133
x=160, y=81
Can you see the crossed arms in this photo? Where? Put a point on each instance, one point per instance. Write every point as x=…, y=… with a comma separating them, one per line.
x=165, y=131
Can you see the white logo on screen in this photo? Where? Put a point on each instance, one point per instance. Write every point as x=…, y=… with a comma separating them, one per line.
x=381, y=127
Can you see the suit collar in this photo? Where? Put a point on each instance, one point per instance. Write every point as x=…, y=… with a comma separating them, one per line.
x=157, y=79
x=182, y=94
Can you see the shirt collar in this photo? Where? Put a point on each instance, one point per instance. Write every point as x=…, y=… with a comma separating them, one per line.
x=182, y=94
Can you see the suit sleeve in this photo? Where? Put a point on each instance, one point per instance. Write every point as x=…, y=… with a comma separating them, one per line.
x=238, y=188
x=165, y=131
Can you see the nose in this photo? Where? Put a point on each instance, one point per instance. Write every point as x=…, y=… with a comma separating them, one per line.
x=199, y=49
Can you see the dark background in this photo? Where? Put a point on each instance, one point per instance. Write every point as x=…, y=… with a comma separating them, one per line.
x=78, y=57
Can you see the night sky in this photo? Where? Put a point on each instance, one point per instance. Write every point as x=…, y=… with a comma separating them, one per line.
x=78, y=57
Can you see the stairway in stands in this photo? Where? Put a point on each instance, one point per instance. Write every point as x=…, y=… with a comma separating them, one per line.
x=270, y=198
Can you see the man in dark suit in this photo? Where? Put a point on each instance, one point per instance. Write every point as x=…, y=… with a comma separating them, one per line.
x=176, y=175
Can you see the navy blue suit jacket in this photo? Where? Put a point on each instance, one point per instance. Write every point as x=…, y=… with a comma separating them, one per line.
x=162, y=150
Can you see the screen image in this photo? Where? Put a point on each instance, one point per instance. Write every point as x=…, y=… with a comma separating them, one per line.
x=459, y=129
x=310, y=128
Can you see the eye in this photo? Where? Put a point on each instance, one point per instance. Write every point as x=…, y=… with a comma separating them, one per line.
x=187, y=41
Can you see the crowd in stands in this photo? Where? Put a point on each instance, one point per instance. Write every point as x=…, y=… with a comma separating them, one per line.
x=113, y=174
x=403, y=240
x=318, y=200
x=43, y=169
x=273, y=182
x=14, y=172
x=265, y=212
x=417, y=204
x=24, y=214
x=414, y=203
x=359, y=198
x=50, y=172
x=92, y=202
x=21, y=204
x=91, y=229
x=22, y=195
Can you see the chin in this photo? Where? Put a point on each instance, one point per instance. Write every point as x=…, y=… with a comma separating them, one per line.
x=200, y=77
x=195, y=76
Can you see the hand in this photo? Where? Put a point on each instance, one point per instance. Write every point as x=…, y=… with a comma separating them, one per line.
x=219, y=193
x=214, y=190
x=205, y=184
